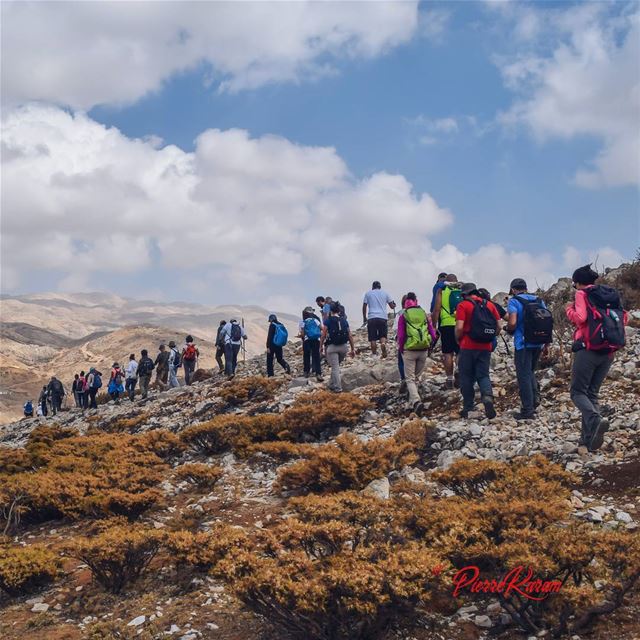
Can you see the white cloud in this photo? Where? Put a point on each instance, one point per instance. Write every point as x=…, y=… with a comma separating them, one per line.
x=87, y=53
x=587, y=84
x=269, y=218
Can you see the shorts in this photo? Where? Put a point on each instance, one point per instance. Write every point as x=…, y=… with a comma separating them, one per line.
x=448, y=340
x=376, y=329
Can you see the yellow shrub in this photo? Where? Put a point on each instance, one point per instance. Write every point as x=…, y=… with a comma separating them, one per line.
x=161, y=442
x=203, y=476
x=251, y=388
x=283, y=450
x=129, y=425
x=26, y=569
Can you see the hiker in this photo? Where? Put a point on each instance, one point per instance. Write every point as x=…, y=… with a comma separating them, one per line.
x=415, y=336
x=502, y=312
x=74, y=389
x=374, y=315
x=475, y=329
x=94, y=382
x=220, y=346
x=55, y=391
x=444, y=312
x=28, y=409
x=436, y=287
x=310, y=332
x=531, y=324
x=145, y=368
x=162, y=367
x=131, y=377
x=175, y=362
x=599, y=320
x=403, y=382
x=233, y=336
x=190, y=356
x=335, y=336
x=81, y=390
x=277, y=337
x=324, y=304
x=115, y=383
x=42, y=401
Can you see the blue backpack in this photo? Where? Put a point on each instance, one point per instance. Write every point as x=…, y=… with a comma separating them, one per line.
x=281, y=335
x=312, y=329
x=28, y=407
x=97, y=381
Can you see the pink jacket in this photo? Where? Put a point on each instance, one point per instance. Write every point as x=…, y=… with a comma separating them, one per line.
x=402, y=326
x=577, y=315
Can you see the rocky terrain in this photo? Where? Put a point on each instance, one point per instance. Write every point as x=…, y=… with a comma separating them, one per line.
x=603, y=491
x=60, y=334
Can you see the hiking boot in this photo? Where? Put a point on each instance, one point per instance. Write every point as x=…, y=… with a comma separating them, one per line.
x=319, y=378
x=449, y=384
x=524, y=416
x=597, y=438
x=456, y=380
x=403, y=386
x=418, y=408
x=383, y=350
x=464, y=413
x=489, y=409
x=288, y=370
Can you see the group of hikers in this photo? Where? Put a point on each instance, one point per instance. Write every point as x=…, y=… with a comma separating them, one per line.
x=461, y=316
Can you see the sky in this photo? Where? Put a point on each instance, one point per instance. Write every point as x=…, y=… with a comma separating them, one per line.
x=267, y=152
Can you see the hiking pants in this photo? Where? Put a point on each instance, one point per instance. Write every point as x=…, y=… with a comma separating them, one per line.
x=590, y=368
x=336, y=353
x=56, y=403
x=219, y=354
x=92, y=399
x=173, y=378
x=76, y=396
x=401, y=365
x=80, y=401
x=231, y=358
x=130, y=386
x=45, y=409
x=144, y=384
x=526, y=361
x=311, y=356
x=162, y=375
x=275, y=352
x=473, y=366
x=189, y=368
x=414, y=363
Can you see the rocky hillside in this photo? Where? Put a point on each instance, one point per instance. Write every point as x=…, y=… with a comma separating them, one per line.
x=269, y=509
x=60, y=334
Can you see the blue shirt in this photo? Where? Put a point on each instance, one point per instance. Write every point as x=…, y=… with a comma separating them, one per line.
x=518, y=335
x=436, y=287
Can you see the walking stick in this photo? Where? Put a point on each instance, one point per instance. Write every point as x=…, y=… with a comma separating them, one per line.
x=242, y=342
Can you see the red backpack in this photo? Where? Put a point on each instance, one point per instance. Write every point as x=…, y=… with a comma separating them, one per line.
x=190, y=352
x=605, y=319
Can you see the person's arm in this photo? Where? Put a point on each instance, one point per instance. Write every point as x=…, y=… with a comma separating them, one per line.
x=353, y=346
x=432, y=331
x=496, y=313
x=390, y=302
x=402, y=333
x=437, y=307
x=512, y=308
x=460, y=319
x=364, y=313
x=577, y=312
x=270, y=333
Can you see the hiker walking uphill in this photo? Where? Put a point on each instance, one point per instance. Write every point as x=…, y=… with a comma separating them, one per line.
x=74, y=389
x=277, y=337
x=374, y=315
x=145, y=369
x=310, y=332
x=94, y=382
x=336, y=335
x=440, y=283
x=55, y=390
x=233, y=334
x=81, y=390
x=531, y=324
x=190, y=356
x=599, y=321
x=220, y=346
x=476, y=328
x=324, y=304
x=415, y=336
x=116, y=380
x=162, y=368
x=444, y=312
x=131, y=377
x=42, y=401
x=175, y=362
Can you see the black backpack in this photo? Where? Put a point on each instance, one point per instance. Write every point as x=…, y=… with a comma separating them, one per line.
x=484, y=326
x=236, y=332
x=537, y=319
x=146, y=366
x=338, y=330
x=605, y=319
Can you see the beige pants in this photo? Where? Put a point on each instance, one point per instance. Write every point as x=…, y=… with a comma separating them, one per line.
x=414, y=363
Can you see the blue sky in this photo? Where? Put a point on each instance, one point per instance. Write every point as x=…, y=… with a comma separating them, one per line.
x=478, y=105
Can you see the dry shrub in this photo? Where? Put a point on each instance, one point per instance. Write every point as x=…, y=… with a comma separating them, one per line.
x=14, y=461
x=118, y=554
x=161, y=442
x=126, y=425
x=348, y=463
x=202, y=476
x=252, y=388
x=419, y=434
x=628, y=283
x=24, y=570
x=283, y=450
x=321, y=414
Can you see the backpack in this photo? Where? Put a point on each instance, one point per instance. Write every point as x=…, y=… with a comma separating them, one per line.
x=338, y=330
x=145, y=366
x=484, y=326
x=117, y=378
x=341, y=312
x=177, y=359
x=312, y=329
x=605, y=319
x=280, y=335
x=537, y=321
x=455, y=298
x=417, y=328
x=28, y=407
x=97, y=381
x=190, y=352
x=57, y=387
x=236, y=332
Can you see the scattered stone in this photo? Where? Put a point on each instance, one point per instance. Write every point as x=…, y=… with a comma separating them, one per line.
x=40, y=607
x=623, y=516
x=136, y=622
x=378, y=488
x=483, y=621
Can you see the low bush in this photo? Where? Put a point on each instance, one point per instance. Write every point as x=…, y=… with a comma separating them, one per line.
x=118, y=554
x=24, y=570
x=126, y=425
x=628, y=282
x=202, y=476
x=283, y=450
x=161, y=442
x=347, y=463
x=249, y=389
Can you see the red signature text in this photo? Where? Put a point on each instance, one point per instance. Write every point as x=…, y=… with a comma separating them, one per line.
x=519, y=580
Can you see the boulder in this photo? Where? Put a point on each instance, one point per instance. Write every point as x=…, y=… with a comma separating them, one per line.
x=378, y=488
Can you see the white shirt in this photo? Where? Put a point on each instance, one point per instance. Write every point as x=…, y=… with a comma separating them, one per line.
x=226, y=332
x=132, y=368
x=377, y=301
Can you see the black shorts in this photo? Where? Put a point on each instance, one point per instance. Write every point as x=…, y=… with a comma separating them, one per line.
x=448, y=340
x=376, y=329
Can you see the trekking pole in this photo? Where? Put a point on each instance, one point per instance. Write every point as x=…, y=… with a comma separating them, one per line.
x=506, y=344
x=242, y=342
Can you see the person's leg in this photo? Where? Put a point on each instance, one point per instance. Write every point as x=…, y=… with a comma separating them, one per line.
x=92, y=399
x=270, y=355
x=467, y=379
x=236, y=351
x=316, y=364
x=383, y=329
x=333, y=357
x=535, y=387
x=401, y=365
x=173, y=378
x=371, y=335
x=228, y=359
x=482, y=367
x=165, y=377
x=585, y=364
x=219, y=354
x=280, y=358
x=144, y=386
x=599, y=375
x=307, y=348
x=524, y=375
